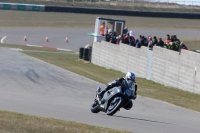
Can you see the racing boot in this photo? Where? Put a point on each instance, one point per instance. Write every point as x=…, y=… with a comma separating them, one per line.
x=135, y=94
x=101, y=94
x=103, y=91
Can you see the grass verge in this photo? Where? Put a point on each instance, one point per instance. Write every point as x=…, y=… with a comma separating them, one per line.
x=146, y=88
x=19, y=123
x=73, y=20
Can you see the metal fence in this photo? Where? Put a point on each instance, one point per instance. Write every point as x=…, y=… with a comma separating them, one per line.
x=129, y=3
x=139, y=3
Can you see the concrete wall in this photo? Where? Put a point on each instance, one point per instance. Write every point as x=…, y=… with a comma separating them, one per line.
x=121, y=57
x=163, y=66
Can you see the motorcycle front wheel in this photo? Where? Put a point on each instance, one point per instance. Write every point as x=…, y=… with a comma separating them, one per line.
x=114, y=105
x=94, y=107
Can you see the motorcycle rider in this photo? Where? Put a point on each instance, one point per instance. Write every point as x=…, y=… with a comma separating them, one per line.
x=124, y=82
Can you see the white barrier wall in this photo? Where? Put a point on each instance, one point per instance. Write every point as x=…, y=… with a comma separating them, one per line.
x=163, y=66
x=121, y=57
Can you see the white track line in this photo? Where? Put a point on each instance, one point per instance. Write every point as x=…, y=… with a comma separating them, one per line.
x=3, y=39
x=33, y=45
x=64, y=49
x=64, y=52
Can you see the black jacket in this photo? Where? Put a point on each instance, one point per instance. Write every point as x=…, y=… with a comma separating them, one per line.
x=161, y=43
x=118, y=82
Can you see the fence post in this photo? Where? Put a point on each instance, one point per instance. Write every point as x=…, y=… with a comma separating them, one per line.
x=133, y=2
x=116, y=2
x=149, y=63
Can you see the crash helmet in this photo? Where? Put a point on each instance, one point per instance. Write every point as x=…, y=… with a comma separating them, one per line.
x=130, y=79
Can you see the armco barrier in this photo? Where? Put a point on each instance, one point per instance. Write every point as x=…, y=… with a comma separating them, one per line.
x=122, y=12
x=23, y=7
x=32, y=7
x=160, y=65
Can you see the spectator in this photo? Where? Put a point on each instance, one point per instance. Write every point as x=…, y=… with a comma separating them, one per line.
x=113, y=38
x=168, y=40
x=102, y=29
x=174, y=45
x=172, y=38
x=122, y=38
x=118, y=39
x=149, y=38
x=127, y=38
x=145, y=41
x=160, y=42
x=139, y=42
x=125, y=30
x=150, y=44
x=108, y=35
x=155, y=41
x=176, y=39
x=132, y=36
x=177, y=42
x=132, y=39
x=183, y=46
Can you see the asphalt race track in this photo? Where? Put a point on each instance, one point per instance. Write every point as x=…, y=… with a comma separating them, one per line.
x=77, y=36
x=31, y=86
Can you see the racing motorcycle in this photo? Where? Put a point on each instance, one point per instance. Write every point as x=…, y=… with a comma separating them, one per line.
x=113, y=100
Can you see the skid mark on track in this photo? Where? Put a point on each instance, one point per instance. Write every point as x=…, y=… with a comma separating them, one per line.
x=31, y=74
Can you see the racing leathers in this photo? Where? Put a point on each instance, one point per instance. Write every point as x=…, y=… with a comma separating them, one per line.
x=118, y=82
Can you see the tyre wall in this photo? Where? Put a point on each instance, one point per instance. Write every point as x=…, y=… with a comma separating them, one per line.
x=23, y=7
x=162, y=66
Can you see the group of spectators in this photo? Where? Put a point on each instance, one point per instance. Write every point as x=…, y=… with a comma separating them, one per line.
x=171, y=42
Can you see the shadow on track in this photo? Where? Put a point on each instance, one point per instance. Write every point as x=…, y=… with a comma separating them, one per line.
x=140, y=119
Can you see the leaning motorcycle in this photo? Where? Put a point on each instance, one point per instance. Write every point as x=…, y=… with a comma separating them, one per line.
x=113, y=100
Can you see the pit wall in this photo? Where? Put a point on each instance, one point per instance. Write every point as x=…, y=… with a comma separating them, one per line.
x=160, y=65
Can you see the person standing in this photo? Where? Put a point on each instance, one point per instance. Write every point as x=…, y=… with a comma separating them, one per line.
x=102, y=29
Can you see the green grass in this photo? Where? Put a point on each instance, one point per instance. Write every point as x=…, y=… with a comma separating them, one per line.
x=72, y=20
x=146, y=88
x=11, y=122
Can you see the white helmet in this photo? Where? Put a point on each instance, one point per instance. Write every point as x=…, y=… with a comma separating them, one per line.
x=130, y=79
x=109, y=30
